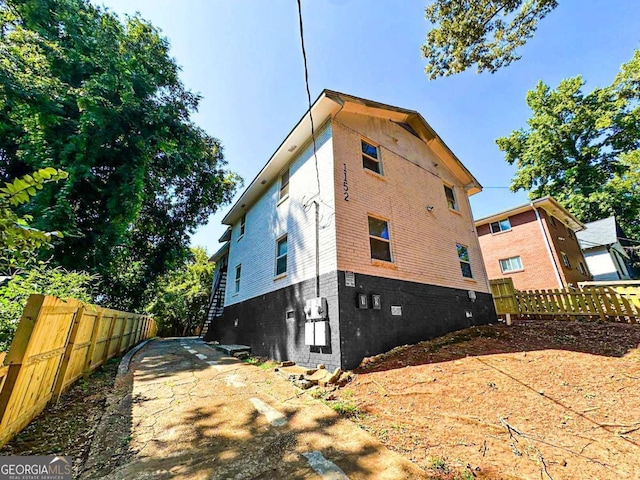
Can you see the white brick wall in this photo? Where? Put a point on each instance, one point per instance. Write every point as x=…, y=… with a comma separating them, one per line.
x=423, y=242
x=266, y=221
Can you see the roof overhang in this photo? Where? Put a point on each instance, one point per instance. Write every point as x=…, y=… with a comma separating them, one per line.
x=328, y=104
x=549, y=204
x=220, y=253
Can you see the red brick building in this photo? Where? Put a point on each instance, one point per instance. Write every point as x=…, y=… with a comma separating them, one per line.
x=534, y=244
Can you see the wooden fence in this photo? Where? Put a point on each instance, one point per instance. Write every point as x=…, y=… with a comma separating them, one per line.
x=56, y=343
x=601, y=303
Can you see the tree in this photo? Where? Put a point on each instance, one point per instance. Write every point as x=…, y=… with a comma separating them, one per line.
x=182, y=299
x=102, y=99
x=44, y=280
x=583, y=149
x=482, y=32
x=19, y=242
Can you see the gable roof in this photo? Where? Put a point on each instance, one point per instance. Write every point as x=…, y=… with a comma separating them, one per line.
x=549, y=204
x=599, y=233
x=328, y=104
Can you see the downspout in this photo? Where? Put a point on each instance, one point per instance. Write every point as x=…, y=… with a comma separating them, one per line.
x=317, y=248
x=547, y=244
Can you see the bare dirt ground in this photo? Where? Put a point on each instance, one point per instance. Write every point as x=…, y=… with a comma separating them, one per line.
x=68, y=426
x=538, y=400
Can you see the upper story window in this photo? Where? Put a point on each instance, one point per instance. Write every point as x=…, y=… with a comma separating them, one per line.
x=237, y=280
x=512, y=264
x=570, y=233
x=281, y=255
x=452, y=202
x=284, y=184
x=465, y=262
x=565, y=260
x=581, y=268
x=552, y=220
x=371, y=157
x=500, y=226
x=243, y=222
x=379, y=240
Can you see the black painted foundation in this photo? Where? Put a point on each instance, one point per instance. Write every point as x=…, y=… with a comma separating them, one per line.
x=428, y=311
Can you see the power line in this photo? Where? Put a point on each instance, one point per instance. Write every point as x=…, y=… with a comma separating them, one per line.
x=306, y=81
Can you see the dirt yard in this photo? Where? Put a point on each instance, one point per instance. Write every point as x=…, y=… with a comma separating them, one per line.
x=538, y=400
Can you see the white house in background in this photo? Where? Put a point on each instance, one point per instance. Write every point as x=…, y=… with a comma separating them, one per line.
x=352, y=246
x=602, y=243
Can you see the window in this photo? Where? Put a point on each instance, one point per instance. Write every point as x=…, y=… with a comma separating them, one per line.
x=284, y=184
x=379, y=239
x=371, y=157
x=581, y=268
x=552, y=220
x=570, y=233
x=565, y=260
x=238, y=274
x=500, y=226
x=451, y=197
x=243, y=222
x=281, y=256
x=465, y=262
x=512, y=264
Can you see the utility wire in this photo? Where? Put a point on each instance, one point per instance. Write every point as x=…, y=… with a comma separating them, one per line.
x=306, y=80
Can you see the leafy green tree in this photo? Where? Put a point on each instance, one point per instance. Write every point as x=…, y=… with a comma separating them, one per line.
x=182, y=299
x=44, y=280
x=102, y=99
x=19, y=242
x=486, y=33
x=583, y=148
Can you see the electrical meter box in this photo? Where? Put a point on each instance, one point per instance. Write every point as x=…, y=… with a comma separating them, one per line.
x=315, y=308
x=316, y=333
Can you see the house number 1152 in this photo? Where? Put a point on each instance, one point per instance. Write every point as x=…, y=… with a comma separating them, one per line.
x=345, y=184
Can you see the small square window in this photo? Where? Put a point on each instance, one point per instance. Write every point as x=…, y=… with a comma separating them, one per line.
x=379, y=240
x=465, y=262
x=243, y=222
x=452, y=203
x=565, y=260
x=371, y=157
x=500, y=226
x=281, y=255
x=570, y=233
x=284, y=184
x=238, y=275
x=511, y=264
x=552, y=220
x=581, y=268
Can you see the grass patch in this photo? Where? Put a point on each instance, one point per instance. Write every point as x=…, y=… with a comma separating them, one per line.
x=346, y=408
x=261, y=362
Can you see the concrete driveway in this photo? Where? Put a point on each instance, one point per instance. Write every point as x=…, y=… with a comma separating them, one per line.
x=197, y=414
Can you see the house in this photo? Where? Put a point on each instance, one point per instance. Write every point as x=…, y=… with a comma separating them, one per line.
x=353, y=244
x=603, y=244
x=535, y=244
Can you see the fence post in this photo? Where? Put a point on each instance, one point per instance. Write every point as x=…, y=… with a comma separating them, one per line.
x=92, y=346
x=71, y=341
x=124, y=327
x=105, y=356
x=18, y=349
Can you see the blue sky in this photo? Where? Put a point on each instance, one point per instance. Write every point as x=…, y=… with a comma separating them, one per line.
x=244, y=58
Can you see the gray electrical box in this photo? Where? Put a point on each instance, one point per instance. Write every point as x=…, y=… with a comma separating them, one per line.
x=363, y=300
x=315, y=308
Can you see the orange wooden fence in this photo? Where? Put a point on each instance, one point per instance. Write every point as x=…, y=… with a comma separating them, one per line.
x=56, y=343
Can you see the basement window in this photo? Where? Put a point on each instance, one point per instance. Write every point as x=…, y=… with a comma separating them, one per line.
x=565, y=260
x=512, y=264
x=465, y=262
x=452, y=203
x=379, y=240
x=281, y=255
x=237, y=281
x=500, y=226
x=371, y=157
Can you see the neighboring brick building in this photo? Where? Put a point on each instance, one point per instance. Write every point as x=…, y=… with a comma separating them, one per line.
x=534, y=244
x=377, y=224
